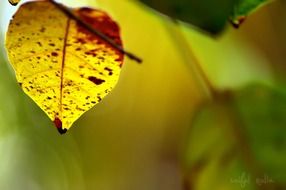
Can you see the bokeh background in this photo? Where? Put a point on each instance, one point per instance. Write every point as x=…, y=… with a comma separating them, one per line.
x=162, y=127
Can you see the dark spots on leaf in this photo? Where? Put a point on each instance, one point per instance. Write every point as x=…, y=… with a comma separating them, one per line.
x=20, y=84
x=57, y=74
x=43, y=29
x=87, y=97
x=79, y=109
x=40, y=91
x=51, y=44
x=69, y=83
x=80, y=40
x=109, y=71
x=78, y=49
x=55, y=54
x=99, y=98
x=49, y=98
x=39, y=43
x=93, y=54
x=96, y=81
x=118, y=59
x=32, y=51
x=93, y=102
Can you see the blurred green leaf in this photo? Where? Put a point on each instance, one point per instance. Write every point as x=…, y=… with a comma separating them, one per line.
x=209, y=15
x=238, y=141
x=243, y=8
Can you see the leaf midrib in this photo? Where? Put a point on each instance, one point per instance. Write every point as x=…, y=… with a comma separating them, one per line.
x=63, y=65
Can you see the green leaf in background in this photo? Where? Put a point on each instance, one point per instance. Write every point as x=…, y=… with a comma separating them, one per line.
x=238, y=141
x=243, y=8
x=208, y=15
x=211, y=18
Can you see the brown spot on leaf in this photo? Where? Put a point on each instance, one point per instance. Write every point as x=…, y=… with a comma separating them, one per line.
x=96, y=81
x=109, y=71
x=43, y=29
x=102, y=23
x=39, y=43
x=55, y=54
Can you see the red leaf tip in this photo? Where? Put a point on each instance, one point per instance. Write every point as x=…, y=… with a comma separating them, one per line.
x=58, y=124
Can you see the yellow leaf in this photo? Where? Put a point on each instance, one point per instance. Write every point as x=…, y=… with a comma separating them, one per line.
x=63, y=67
x=14, y=2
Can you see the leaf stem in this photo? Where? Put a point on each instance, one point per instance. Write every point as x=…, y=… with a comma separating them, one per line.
x=72, y=15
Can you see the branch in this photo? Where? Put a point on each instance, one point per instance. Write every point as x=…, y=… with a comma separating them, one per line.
x=71, y=14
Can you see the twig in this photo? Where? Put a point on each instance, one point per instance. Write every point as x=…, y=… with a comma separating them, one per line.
x=71, y=14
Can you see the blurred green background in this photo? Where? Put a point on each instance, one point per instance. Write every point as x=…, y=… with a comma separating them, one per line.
x=162, y=127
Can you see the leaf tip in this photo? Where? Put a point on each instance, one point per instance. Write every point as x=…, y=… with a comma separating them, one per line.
x=58, y=124
x=14, y=3
x=238, y=21
x=62, y=131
